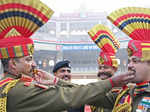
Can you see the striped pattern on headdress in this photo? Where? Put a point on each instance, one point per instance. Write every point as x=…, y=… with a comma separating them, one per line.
x=19, y=19
x=106, y=41
x=135, y=22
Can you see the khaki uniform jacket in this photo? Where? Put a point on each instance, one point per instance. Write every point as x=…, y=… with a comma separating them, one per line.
x=31, y=98
x=67, y=84
x=140, y=103
x=114, y=91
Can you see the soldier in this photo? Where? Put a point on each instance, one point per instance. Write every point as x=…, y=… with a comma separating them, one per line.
x=134, y=21
x=107, y=62
x=18, y=91
x=62, y=70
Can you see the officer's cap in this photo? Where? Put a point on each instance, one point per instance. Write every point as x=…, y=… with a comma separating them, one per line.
x=61, y=64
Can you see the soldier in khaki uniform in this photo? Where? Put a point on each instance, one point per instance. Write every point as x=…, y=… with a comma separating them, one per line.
x=107, y=62
x=134, y=21
x=62, y=70
x=19, y=92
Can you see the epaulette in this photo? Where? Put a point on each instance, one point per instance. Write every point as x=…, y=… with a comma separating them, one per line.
x=5, y=86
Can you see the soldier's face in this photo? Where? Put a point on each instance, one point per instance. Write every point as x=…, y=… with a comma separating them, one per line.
x=64, y=73
x=25, y=65
x=141, y=69
x=105, y=71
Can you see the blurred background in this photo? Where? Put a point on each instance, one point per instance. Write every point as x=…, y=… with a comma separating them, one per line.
x=65, y=36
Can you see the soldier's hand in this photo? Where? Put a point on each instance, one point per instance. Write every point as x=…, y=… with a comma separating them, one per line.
x=122, y=79
x=45, y=78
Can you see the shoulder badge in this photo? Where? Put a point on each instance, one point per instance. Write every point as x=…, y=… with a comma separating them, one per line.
x=7, y=84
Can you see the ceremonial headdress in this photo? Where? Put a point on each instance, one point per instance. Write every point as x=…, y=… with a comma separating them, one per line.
x=135, y=22
x=106, y=41
x=19, y=19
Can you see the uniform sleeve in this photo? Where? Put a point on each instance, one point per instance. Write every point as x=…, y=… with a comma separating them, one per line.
x=107, y=102
x=63, y=83
x=55, y=98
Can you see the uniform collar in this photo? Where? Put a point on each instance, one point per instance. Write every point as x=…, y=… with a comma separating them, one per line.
x=6, y=75
x=23, y=78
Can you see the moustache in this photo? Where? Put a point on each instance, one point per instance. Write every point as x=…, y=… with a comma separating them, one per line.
x=104, y=73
